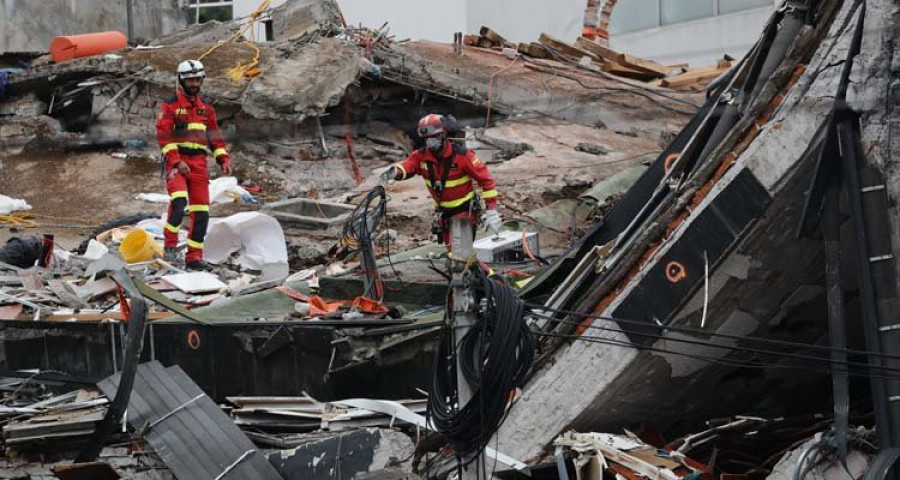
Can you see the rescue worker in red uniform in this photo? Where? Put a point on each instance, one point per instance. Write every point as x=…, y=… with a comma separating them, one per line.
x=450, y=172
x=187, y=131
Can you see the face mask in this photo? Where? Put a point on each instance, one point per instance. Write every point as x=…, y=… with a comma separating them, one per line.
x=434, y=144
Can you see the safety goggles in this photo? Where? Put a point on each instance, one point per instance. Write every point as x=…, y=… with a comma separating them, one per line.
x=430, y=131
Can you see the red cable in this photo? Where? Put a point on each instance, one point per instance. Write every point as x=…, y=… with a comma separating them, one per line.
x=356, y=172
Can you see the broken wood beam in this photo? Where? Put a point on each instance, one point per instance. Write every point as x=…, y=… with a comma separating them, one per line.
x=694, y=76
x=648, y=66
x=533, y=49
x=567, y=50
x=724, y=64
x=495, y=37
x=597, y=49
x=471, y=40
x=629, y=61
x=485, y=43
x=617, y=68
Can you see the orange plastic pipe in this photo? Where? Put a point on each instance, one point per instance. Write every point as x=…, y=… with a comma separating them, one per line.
x=76, y=46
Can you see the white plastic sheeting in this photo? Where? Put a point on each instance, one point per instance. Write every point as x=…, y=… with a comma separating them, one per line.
x=257, y=236
x=221, y=190
x=9, y=205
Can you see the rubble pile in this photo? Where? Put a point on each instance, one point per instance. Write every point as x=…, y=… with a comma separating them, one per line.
x=594, y=55
x=671, y=257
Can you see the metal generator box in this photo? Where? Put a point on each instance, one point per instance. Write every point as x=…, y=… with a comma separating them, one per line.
x=506, y=247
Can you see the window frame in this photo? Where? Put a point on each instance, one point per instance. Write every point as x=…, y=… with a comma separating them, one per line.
x=716, y=11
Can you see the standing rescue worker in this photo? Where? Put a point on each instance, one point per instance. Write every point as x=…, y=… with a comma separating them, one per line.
x=450, y=172
x=187, y=131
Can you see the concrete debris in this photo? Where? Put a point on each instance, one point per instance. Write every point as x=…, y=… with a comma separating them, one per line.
x=355, y=454
x=668, y=232
x=822, y=466
x=328, y=66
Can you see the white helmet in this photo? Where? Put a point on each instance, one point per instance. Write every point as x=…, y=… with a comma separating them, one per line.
x=191, y=69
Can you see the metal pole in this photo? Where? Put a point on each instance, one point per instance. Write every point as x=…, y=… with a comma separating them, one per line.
x=129, y=12
x=197, y=12
x=836, y=323
x=461, y=239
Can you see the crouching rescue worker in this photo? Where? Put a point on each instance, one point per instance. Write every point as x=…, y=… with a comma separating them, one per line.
x=450, y=172
x=187, y=131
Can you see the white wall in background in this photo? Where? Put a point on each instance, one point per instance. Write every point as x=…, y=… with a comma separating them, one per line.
x=698, y=42
x=412, y=19
x=243, y=9
x=525, y=20
x=517, y=20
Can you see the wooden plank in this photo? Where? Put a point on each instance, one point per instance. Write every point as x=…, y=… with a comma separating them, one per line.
x=567, y=50
x=494, y=37
x=694, y=76
x=533, y=49
x=724, y=64
x=648, y=66
x=616, y=68
x=470, y=40
x=597, y=49
x=485, y=43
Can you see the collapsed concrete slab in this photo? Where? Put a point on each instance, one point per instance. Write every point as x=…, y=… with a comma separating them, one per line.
x=297, y=18
x=305, y=83
x=536, y=87
x=736, y=216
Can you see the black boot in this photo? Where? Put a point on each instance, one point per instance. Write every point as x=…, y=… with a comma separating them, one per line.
x=198, y=266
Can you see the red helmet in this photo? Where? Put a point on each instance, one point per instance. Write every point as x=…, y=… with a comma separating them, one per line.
x=431, y=125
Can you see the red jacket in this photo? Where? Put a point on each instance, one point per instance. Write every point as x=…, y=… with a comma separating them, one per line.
x=465, y=170
x=184, y=127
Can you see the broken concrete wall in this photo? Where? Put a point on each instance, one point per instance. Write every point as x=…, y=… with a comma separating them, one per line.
x=876, y=75
x=298, y=17
x=770, y=273
x=29, y=26
x=24, y=124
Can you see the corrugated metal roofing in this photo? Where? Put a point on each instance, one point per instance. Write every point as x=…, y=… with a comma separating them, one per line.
x=187, y=429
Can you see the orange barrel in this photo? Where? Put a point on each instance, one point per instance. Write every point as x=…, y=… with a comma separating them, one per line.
x=77, y=46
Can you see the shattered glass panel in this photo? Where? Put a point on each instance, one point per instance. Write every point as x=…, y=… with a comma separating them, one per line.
x=633, y=15
x=675, y=11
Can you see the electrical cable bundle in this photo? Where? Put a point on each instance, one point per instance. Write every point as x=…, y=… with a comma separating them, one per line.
x=496, y=354
x=358, y=232
x=363, y=221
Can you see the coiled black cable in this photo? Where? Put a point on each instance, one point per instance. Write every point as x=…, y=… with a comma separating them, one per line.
x=496, y=354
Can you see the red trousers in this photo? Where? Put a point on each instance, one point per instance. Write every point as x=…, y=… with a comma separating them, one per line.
x=189, y=192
